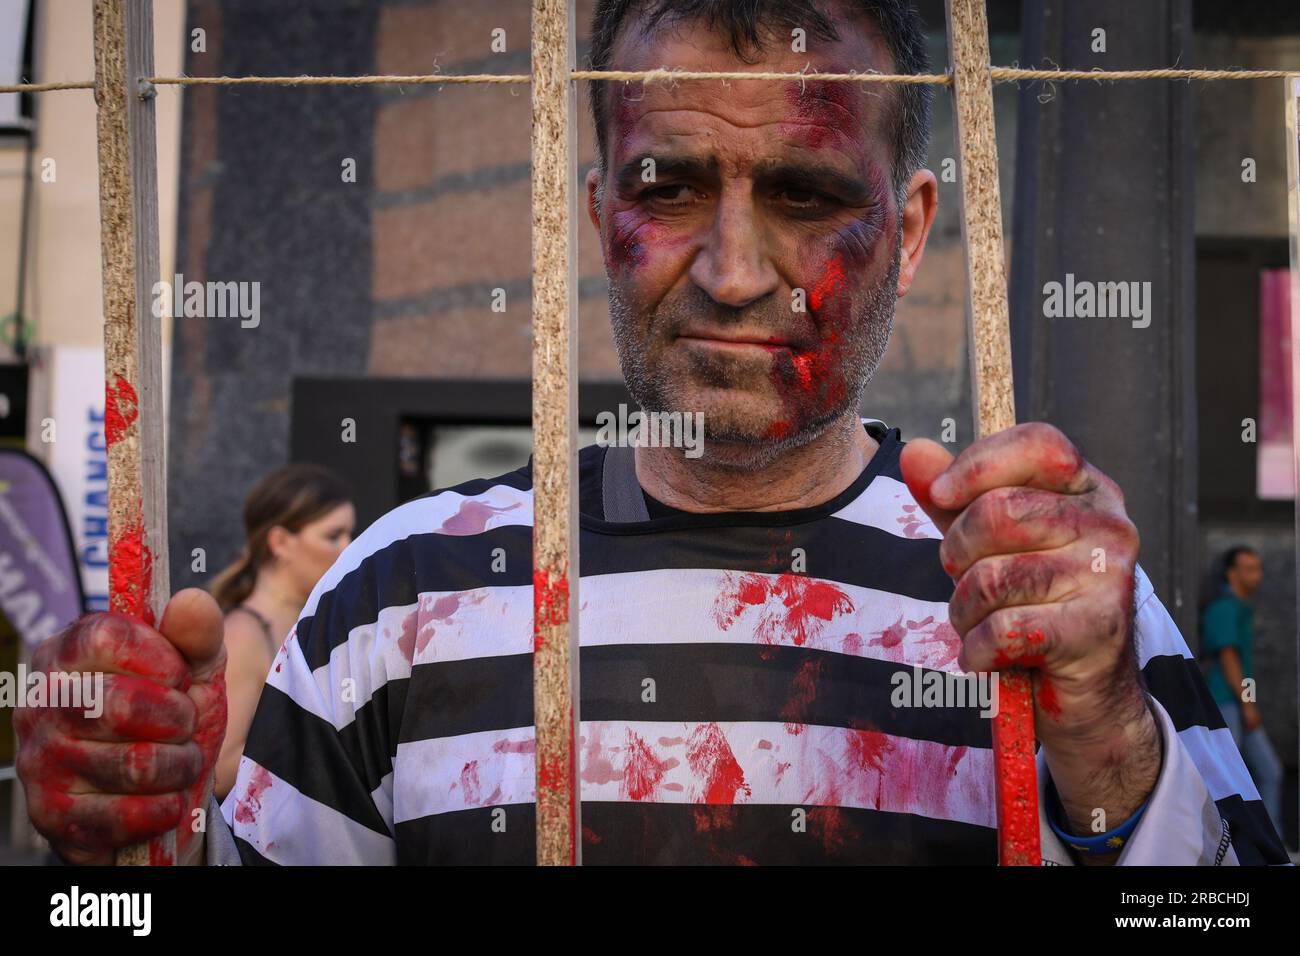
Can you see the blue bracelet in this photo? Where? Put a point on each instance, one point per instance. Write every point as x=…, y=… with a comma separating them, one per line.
x=1110, y=842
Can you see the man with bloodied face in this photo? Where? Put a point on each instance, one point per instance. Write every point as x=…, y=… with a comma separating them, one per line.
x=776, y=633
x=756, y=236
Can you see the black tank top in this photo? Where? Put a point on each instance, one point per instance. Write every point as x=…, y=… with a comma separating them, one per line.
x=266, y=625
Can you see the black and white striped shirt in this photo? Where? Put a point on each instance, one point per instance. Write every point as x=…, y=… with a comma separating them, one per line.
x=733, y=710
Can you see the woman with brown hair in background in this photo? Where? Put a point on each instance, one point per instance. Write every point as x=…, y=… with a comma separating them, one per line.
x=297, y=521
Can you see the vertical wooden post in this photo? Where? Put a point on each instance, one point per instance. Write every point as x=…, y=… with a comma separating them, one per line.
x=994, y=400
x=555, y=456
x=133, y=403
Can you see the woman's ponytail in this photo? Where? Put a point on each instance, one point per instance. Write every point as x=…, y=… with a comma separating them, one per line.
x=235, y=583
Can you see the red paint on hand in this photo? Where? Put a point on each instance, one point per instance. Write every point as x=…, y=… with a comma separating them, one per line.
x=210, y=699
x=1047, y=697
x=128, y=789
x=1020, y=654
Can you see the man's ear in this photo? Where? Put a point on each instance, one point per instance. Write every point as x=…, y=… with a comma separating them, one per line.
x=918, y=215
x=594, y=188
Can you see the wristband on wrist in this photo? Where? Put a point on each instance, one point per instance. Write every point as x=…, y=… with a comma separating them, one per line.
x=1112, y=841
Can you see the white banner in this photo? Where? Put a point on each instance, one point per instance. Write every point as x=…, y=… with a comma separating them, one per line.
x=79, y=461
x=13, y=34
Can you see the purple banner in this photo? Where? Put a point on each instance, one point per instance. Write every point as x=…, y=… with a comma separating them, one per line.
x=40, y=586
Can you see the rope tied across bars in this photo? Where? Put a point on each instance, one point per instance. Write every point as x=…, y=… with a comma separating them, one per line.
x=999, y=74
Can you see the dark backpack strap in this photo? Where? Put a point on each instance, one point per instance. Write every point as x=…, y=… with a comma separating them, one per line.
x=620, y=491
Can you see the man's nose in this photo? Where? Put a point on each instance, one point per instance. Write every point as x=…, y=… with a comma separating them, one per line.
x=733, y=266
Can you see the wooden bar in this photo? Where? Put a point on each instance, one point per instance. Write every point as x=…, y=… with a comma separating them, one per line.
x=993, y=399
x=133, y=404
x=555, y=453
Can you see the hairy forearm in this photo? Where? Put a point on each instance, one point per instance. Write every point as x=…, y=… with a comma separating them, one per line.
x=1110, y=767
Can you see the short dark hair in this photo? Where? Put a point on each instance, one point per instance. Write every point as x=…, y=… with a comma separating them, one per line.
x=746, y=22
x=1230, y=558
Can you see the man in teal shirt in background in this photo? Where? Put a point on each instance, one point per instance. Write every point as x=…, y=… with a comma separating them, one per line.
x=1227, y=640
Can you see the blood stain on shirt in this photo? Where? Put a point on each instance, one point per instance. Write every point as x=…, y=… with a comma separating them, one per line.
x=831, y=827
x=642, y=770
x=419, y=626
x=794, y=608
x=868, y=749
x=891, y=636
x=914, y=522
x=803, y=691
x=406, y=639
x=472, y=517
x=249, y=805
x=941, y=634
x=515, y=746
x=469, y=783
x=597, y=768
x=710, y=758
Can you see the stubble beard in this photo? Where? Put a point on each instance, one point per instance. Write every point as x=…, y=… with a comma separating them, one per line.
x=732, y=440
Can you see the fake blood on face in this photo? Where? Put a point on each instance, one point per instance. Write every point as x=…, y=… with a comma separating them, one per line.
x=821, y=114
x=813, y=379
x=831, y=281
x=824, y=117
x=635, y=239
x=625, y=250
x=808, y=378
